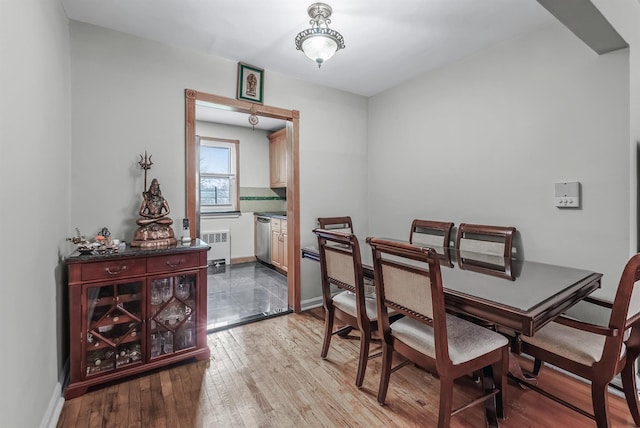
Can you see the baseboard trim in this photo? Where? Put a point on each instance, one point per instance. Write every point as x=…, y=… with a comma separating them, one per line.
x=239, y=260
x=316, y=302
x=52, y=415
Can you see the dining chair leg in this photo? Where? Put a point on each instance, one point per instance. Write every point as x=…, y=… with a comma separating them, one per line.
x=365, y=340
x=344, y=331
x=328, y=332
x=500, y=376
x=537, y=365
x=599, y=395
x=629, y=386
x=446, y=402
x=489, y=385
x=385, y=373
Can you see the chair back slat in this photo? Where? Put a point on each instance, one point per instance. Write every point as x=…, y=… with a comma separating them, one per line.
x=340, y=229
x=427, y=240
x=408, y=288
x=484, y=247
x=340, y=269
x=430, y=232
x=495, y=240
x=336, y=224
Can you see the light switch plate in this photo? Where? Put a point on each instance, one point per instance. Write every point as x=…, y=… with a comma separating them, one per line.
x=567, y=194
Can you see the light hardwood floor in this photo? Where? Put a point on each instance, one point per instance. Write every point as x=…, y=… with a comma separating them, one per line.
x=270, y=374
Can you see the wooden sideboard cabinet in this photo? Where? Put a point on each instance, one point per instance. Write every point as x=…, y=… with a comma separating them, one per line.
x=278, y=159
x=134, y=311
x=279, y=246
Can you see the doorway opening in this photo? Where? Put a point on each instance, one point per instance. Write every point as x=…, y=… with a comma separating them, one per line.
x=245, y=284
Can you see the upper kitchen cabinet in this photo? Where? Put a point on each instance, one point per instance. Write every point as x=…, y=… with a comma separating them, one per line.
x=278, y=159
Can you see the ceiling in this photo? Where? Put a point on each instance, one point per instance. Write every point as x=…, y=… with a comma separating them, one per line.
x=387, y=42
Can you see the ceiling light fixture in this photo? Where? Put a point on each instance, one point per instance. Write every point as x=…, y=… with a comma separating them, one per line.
x=319, y=42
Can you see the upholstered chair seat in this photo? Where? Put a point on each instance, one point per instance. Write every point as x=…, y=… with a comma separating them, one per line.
x=466, y=340
x=573, y=344
x=346, y=302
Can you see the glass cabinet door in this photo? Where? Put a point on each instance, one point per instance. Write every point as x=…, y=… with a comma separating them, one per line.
x=173, y=314
x=113, y=327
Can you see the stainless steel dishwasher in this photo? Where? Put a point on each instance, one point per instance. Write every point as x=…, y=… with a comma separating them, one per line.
x=263, y=238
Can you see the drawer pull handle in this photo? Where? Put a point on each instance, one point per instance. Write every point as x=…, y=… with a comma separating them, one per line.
x=110, y=272
x=170, y=264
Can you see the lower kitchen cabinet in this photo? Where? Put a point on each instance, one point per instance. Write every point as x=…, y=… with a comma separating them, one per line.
x=279, y=246
x=134, y=311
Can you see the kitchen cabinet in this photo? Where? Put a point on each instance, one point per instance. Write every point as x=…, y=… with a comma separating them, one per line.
x=279, y=246
x=134, y=311
x=278, y=159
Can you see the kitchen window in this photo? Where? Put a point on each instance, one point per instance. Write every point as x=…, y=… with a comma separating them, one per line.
x=219, y=175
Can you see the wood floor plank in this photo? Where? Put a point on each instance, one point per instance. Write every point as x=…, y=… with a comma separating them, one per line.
x=113, y=414
x=97, y=409
x=270, y=374
x=134, y=401
x=84, y=413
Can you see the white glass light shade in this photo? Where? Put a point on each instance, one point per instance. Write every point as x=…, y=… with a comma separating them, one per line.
x=319, y=48
x=319, y=42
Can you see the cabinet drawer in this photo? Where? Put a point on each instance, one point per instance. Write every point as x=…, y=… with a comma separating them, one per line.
x=283, y=226
x=113, y=269
x=172, y=262
x=275, y=224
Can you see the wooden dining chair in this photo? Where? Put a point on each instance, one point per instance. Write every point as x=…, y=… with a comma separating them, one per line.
x=486, y=249
x=434, y=234
x=408, y=280
x=595, y=352
x=341, y=266
x=338, y=224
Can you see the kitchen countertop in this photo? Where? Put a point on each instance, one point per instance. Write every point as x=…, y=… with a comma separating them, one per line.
x=276, y=214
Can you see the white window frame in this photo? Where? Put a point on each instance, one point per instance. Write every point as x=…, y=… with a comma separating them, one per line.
x=234, y=175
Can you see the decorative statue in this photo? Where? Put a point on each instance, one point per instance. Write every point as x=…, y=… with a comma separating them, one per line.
x=154, y=226
x=154, y=206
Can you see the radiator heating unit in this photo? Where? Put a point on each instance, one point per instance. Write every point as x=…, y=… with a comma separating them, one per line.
x=220, y=242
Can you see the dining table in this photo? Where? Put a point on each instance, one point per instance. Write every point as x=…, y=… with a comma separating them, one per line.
x=516, y=294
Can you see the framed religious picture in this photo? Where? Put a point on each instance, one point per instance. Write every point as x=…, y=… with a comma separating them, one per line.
x=250, y=83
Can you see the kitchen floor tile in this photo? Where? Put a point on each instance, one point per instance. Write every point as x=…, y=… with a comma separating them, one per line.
x=244, y=293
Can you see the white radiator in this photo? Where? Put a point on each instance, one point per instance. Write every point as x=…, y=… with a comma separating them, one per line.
x=220, y=243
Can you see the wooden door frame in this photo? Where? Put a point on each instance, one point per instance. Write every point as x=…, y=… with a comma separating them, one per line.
x=293, y=173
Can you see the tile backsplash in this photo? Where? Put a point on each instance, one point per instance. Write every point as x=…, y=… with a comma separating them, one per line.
x=262, y=199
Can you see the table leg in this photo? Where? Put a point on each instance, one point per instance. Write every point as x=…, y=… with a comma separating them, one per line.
x=515, y=370
x=488, y=385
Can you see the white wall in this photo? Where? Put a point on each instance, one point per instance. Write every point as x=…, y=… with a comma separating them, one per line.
x=128, y=97
x=624, y=16
x=35, y=136
x=483, y=141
